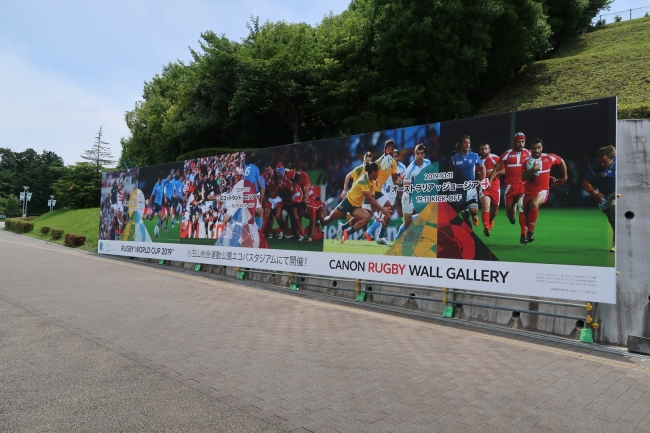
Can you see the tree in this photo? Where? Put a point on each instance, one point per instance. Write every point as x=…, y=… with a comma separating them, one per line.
x=99, y=154
x=38, y=171
x=571, y=17
x=79, y=186
x=10, y=206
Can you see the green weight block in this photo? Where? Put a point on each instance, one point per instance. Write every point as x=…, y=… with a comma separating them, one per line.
x=293, y=286
x=197, y=267
x=587, y=335
x=241, y=275
x=161, y=262
x=448, y=312
x=361, y=296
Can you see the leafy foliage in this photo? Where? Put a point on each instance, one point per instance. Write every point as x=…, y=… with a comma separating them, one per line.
x=380, y=64
x=38, y=171
x=79, y=186
x=10, y=206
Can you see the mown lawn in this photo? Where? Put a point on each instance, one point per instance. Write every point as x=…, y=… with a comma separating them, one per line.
x=82, y=221
x=614, y=60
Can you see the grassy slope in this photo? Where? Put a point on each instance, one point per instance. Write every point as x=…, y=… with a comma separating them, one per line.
x=614, y=60
x=83, y=221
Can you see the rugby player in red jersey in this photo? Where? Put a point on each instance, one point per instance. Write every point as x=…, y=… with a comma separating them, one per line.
x=300, y=185
x=316, y=214
x=512, y=160
x=490, y=197
x=272, y=202
x=538, y=181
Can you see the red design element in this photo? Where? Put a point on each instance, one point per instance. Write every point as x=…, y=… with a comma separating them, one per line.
x=455, y=239
x=485, y=183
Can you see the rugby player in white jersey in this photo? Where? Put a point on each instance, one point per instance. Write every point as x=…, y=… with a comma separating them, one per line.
x=414, y=168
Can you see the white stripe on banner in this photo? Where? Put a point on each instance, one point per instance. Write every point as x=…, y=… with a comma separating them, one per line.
x=579, y=283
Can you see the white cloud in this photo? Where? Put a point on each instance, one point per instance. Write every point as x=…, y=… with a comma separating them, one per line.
x=41, y=109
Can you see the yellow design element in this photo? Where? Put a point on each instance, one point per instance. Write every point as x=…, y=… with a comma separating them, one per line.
x=421, y=238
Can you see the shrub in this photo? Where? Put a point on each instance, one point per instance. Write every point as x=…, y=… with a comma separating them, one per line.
x=74, y=240
x=30, y=218
x=18, y=225
x=45, y=230
x=56, y=233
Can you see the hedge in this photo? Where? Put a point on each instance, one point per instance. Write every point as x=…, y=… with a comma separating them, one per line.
x=18, y=225
x=45, y=230
x=56, y=233
x=74, y=240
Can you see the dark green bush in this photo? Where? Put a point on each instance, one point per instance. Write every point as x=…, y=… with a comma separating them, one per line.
x=18, y=225
x=56, y=233
x=45, y=230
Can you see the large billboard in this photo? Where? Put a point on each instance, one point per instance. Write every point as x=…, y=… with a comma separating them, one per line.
x=520, y=203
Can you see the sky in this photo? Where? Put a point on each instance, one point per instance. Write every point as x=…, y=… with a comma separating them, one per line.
x=67, y=68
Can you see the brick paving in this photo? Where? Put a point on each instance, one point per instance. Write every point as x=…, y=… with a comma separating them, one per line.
x=305, y=365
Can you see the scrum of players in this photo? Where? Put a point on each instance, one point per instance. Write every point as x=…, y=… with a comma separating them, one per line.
x=289, y=197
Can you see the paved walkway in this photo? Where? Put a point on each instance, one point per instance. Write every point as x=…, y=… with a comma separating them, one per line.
x=301, y=364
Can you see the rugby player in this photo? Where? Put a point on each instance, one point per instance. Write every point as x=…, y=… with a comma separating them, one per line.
x=168, y=195
x=468, y=164
x=538, y=180
x=157, y=200
x=600, y=182
x=272, y=202
x=252, y=174
x=363, y=188
x=390, y=190
x=414, y=168
x=355, y=173
x=491, y=196
x=512, y=161
x=301, y=190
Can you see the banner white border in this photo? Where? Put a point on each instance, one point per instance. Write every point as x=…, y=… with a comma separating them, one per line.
x=576, y=283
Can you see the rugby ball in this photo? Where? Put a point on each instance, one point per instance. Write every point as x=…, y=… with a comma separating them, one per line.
x=156, y=231
x=386, y=162
x=531, y=162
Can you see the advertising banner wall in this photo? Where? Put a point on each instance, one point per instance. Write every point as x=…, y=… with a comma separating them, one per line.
x=519, y=203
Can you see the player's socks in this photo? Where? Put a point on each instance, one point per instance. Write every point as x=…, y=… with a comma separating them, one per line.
x=382, y=233
x=532, y=218
x=400, y=231
x=491, y=223
x=258, y=221
x=346, y=225
x=485, y=218
x=522, y=223
x=373, y=228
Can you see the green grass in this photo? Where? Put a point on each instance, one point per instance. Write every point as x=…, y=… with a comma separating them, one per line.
x=82, y=221
x=173, y=237
x=562, y=236
x=354, y=247
x=614, y=60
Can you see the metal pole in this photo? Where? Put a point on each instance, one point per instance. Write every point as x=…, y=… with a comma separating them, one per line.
x=25, y=203
x=51, y=203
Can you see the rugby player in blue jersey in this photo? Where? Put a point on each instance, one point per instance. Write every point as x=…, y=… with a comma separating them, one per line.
x=168, y=195
x=468, y=163
x=156, y=201
x=252, y=174
x=600, y=182
x=177, y=197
